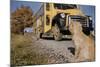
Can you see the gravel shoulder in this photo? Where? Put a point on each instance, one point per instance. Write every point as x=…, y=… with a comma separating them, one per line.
x=57, y=51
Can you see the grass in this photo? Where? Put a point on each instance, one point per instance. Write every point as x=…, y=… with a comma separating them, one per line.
x=24, y=51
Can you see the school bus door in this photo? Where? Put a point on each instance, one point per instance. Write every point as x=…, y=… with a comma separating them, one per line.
x=47, y=16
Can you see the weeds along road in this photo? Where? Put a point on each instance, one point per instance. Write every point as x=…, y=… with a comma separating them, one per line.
x=58, y=51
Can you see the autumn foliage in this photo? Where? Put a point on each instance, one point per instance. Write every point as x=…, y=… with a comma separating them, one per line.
x=21, y=18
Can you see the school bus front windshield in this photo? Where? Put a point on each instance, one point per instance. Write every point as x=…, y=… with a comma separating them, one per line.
x=65, y=6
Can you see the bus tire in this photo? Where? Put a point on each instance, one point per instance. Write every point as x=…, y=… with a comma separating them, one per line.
x=56, y=33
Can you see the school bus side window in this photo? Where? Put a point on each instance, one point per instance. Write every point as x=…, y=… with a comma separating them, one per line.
x=47, y=6
x=47, y=20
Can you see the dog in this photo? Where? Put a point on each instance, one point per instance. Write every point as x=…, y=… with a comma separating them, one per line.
x=84, y=45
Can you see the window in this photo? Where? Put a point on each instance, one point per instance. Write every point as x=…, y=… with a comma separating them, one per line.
x=47, y=20
x=65, y=6
x=47, y=6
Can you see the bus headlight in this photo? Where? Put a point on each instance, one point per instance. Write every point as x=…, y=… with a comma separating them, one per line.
x=90, y=18
x=62, y=15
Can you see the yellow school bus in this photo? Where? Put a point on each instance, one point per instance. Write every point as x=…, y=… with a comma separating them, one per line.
x=54, y=18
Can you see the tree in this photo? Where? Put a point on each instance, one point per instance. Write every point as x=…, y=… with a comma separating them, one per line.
x=21, y=18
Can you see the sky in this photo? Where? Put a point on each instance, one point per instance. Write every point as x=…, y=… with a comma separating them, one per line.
x=33, y=5
x=87, y=9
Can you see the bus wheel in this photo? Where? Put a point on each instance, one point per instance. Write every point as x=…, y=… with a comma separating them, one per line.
x=56, y=33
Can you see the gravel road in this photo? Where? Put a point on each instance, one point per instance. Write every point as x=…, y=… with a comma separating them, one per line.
x=58, y=51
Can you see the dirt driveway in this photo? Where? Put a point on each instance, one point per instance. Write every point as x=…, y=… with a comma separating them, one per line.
x=58, y=51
